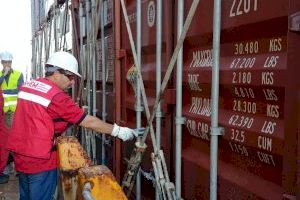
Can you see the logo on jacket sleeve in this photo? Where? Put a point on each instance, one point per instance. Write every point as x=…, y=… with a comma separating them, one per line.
x=38, y=86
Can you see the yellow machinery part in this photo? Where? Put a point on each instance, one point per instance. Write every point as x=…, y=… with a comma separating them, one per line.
x=71, y=154
x=103, y=184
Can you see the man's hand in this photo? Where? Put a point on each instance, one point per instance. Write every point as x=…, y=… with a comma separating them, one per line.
x=123, y=133
x=6, y=71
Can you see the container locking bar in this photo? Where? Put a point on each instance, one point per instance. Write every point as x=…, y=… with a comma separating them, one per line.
x=165, y=187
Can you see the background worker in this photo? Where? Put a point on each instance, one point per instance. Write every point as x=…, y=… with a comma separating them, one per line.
x=3, y=138
x=10, y=81
x=44, y=111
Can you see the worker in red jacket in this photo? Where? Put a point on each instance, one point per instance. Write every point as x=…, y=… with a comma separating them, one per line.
x=3, y=138
x=43, y=112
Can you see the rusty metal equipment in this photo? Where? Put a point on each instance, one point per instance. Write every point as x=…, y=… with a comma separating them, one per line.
x=165, y=186
x=71, y=154
x=98, y=183
x=79, y=179
x=133, y=164
x=71, y=157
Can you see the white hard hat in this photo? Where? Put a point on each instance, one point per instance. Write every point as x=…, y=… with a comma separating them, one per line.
x=5, y=55
x=64, y=60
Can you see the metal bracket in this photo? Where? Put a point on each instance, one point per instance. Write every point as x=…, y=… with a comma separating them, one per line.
x=180, y=120
x=140, y=131
x=139, y=108
x=159, y=114
x=217, y=131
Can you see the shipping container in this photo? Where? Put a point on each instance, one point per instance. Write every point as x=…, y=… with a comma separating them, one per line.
x=258, y=97
x=258, y=105
x=259, y=93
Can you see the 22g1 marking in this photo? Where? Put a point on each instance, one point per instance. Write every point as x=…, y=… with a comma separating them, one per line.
x=241, y=7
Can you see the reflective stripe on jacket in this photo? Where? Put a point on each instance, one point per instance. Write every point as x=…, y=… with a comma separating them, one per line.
x=32, y=132
x=10, y=98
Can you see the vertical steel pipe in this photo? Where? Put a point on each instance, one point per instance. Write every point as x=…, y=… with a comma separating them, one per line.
x=88, y=53
x=93, y=61
x=81, y=32
x=158, y=78
x=179, y=119
x=88, y=66
x=33, y=53
x=93, y=56
x=215, y=130
x=82, y=62
x=103, y=81
x=138, y=95
x=117, y=83
x=55, y=28
x=40, y=53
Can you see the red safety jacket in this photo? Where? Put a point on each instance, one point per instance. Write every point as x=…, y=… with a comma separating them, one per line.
x=3, y=137
x=32, y=132
x=1, y=103
x=3, y=127
x=1, y=108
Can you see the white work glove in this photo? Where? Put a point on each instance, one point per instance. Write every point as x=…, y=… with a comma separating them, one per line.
x=123, y=133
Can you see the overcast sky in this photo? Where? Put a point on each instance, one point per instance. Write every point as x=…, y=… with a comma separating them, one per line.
x=15, y=31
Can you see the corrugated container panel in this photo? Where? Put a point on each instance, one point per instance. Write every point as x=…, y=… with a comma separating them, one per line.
x=48, y=4
x=148, y=68
x=35, y=15
x=110, y=96
x=108, y=12
x=99, y=60
x=109, y=54
x=32, y=16
x=110, y=100
x=258, y=101
x=39, y=9
x=42, y=11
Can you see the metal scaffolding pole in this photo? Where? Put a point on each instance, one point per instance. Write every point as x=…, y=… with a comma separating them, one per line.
x=139, y=107
x=93, y=62
x=215, y=129
x=179, y=119
x=103, y=81
x=158, y=79
x=89, y=68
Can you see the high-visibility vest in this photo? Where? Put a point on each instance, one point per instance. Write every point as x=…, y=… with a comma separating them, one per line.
x=10, y=100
